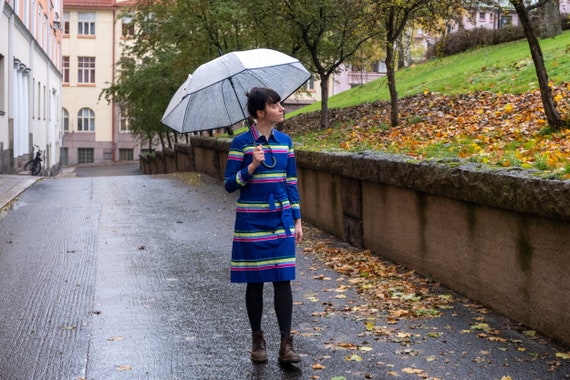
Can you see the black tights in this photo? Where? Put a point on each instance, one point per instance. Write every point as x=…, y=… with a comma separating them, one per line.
x=282, y=301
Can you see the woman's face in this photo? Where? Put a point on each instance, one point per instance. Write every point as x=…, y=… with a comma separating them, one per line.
x=273, y=113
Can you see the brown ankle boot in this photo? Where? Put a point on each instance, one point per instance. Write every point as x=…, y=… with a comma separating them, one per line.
x=258, y=353
x=286, y=352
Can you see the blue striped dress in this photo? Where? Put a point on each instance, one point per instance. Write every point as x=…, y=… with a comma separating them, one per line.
x=263, y=248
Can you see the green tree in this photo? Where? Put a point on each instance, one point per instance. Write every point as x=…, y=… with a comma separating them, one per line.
x=330, y=32
x=395, y=16
x=145, y=79
x=172, y=39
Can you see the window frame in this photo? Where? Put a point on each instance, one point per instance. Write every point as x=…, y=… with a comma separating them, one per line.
x=85, y=70
x=85, y=155
x=86, y=23
x=65, y=67
x=65, y=19
x=83, y=118
x=64, y=120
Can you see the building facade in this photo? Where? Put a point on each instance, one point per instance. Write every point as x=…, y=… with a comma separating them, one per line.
x=30, y=83
x=94, y=131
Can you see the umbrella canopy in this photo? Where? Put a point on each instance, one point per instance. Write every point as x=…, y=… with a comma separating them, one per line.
x=214, y=95
x=174, y=110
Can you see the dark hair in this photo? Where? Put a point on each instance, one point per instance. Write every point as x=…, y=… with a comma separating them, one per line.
x=258, y=97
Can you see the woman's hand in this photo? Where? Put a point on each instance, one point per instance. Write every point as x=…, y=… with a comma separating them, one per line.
x=258, y=156
x=298, y=231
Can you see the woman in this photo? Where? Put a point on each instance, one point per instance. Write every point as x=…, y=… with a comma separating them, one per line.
x=261, y=164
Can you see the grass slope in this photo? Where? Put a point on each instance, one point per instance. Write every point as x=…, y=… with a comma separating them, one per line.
x=506, y=68
x=483, y=106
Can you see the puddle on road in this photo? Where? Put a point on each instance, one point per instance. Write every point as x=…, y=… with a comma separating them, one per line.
x=12, y=205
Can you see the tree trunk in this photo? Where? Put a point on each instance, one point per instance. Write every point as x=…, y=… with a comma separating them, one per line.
x=401, y=53
x=324, y=101
x=391, y=75
x=168, y=140
x=550, y=25
x=552, y=116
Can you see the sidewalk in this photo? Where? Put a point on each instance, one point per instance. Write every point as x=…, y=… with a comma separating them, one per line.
x=129, y=280
x=12, y=185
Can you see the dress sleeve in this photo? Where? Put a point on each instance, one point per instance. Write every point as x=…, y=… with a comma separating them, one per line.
x=236, y=175
x=291, y=183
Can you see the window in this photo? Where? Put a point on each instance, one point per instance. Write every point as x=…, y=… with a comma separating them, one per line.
x=310, y=85
x=65, y=69
x=126, y=154
x=86, y=69
x=2, y=84
x=44, y=103
x=85, y=120
x=46, y=32
x=86, y=23
x=65, y=22
x=85, y=156
x=124, y=123
x=27, y=14
x=65, y=120
x=39, y=113
x=482, y=16
x=128, y=26
x=39, y=35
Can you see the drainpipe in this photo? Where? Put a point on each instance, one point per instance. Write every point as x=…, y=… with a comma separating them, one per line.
x=113, y=107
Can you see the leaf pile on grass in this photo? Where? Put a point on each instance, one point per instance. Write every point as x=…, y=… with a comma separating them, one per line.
x=495, y=129
x=392, y=289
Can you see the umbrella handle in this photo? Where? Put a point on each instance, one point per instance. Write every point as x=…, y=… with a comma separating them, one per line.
x=270, y=166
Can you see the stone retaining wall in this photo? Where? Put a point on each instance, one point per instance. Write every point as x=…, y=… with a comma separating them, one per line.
x=501, y=237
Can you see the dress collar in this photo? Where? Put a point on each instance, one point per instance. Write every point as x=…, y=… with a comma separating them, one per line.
x=257, y=135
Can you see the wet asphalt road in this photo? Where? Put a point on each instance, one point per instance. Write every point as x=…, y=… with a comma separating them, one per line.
x=109, y=276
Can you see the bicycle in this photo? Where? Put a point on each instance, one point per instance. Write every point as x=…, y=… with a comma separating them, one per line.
x=35, y=165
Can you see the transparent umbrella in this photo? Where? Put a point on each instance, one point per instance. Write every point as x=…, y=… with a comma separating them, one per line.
x=214, y=95
x=173, y=109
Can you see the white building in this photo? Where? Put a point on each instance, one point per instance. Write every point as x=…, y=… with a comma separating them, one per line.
x=30, y=83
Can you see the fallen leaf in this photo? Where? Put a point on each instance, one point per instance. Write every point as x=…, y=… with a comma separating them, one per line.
x=124, y=368
x=563, y=355
x=412, y=370
x=317, y=366
x=497, y=339
x=353, y=358
x=347, y=346
x=494, y=129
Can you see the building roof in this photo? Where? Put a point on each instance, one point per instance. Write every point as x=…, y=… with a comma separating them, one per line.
x=97, y=3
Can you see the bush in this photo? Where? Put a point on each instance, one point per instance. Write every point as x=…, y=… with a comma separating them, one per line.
x=507, y=34
x=464, y=40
